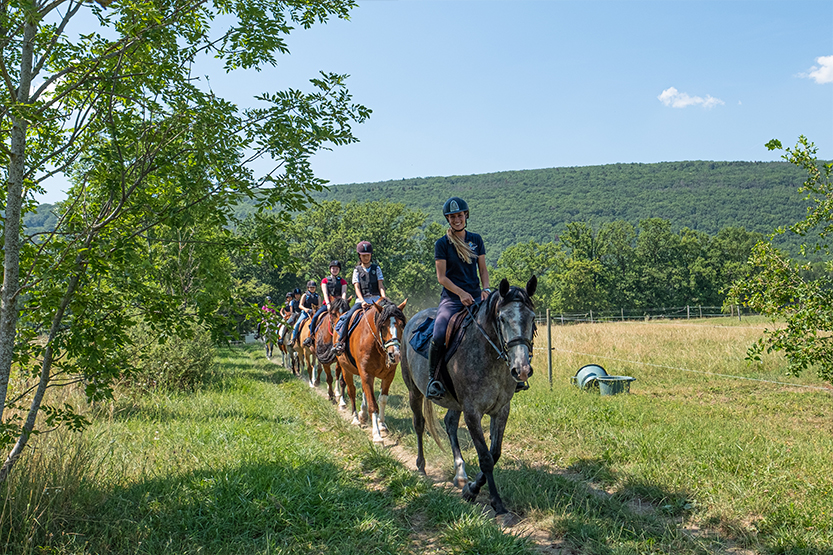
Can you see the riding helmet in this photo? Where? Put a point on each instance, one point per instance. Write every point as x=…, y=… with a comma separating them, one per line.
x=289, y=294
x=296, y=291
x=268, y=298
x=364, y=247
x=454, y=205
x=311, y=283
x=335, y=263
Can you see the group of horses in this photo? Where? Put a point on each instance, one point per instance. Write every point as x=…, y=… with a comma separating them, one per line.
x=491, y=359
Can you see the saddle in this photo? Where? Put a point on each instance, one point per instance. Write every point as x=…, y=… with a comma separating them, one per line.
x=456, y=331
x=351, y=325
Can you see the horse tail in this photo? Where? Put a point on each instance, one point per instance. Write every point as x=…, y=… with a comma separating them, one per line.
x=431, y=423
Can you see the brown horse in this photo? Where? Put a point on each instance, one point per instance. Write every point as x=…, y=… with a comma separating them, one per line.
x=306, y=356
x=323, y=347
x=375, y=348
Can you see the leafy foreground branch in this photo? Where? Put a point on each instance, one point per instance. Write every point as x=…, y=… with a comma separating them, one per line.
x=151, y=154
x=778, y=287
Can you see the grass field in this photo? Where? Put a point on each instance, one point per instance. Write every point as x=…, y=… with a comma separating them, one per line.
x=691, y=461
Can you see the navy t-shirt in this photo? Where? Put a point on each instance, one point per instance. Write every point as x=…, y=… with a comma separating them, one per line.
x=461, y=274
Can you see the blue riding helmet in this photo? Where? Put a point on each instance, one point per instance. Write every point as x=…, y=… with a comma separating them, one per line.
x=454, y=205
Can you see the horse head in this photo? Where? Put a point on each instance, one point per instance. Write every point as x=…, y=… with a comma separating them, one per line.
x=390, y=321
x=514, y=314
x=338, y=306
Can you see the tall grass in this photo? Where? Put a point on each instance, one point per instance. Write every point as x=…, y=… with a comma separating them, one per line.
x=691, y=461
x=250, y=462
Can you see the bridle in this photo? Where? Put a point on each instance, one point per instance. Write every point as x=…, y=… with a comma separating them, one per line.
x=377, y=335
x=503, y=351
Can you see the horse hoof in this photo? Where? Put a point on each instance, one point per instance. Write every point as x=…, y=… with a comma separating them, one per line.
x=461, y=482
x=378, y=439
x=317, y=383
x=467, y=494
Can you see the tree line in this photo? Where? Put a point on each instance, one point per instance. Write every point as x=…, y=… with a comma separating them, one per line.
x=588, y=267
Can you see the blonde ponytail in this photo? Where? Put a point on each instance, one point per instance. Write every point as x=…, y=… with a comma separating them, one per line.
x=464, y=251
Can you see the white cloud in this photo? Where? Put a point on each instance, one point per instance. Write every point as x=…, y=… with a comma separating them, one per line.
x=823, y=73
x=674, y=98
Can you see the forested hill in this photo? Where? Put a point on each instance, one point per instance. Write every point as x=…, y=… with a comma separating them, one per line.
x=518, y=206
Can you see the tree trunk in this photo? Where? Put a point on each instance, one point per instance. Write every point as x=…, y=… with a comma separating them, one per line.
x=14, y=203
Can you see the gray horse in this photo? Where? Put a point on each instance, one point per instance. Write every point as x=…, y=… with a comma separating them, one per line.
x=491, y=361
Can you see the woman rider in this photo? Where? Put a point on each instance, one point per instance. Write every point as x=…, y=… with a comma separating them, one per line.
x=309, y=304
x=332, y=287
x=458, y=256
x=368, y=284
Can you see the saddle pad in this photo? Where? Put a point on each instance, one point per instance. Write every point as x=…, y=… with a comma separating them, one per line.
x=424, y=333
x=421, y=339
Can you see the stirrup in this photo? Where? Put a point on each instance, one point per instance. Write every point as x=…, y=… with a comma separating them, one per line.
x=339, y=348
x=308, y=341
x=521, y=386
x=435, y=389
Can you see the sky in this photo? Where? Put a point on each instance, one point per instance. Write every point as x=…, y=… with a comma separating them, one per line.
x=472, y=86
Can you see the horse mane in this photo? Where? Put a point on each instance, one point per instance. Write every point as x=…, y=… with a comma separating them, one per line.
x=339, y=305
x=389, y=310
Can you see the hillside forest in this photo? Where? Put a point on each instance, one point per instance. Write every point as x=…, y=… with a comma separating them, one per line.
x=603, y=238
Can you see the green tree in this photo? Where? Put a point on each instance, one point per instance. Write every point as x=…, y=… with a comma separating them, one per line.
x=778, y=287
x=520, y=262
x=157, y=164
x=403, y=243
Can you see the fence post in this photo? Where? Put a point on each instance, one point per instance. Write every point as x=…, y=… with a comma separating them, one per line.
x=562, y=318
x=549, y=347
x=701, y=310
x=738, y=313
x=688, y=312
x=623, y=313
x=591, y=316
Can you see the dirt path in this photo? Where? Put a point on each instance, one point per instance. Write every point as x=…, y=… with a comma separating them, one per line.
x=511, y=522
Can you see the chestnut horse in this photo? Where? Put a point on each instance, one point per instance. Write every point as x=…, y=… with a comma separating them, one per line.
x=319, y=355
x=375, y=350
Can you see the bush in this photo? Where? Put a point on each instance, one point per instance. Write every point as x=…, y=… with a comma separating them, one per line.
x=178, y=363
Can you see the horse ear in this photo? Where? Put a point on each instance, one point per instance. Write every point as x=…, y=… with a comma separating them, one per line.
x=531, y=286
x=504, y=287
x=378, y=306
x=401, y=306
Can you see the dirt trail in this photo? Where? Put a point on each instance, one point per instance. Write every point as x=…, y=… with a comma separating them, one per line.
x=511, y=522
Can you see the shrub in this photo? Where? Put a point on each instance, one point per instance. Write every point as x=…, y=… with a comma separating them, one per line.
x=174, y=363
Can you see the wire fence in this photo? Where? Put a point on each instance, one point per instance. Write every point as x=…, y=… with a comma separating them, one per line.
x=625, y=314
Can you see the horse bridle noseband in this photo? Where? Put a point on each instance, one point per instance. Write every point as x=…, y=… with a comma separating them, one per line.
x=393, y=342
x=503, y=351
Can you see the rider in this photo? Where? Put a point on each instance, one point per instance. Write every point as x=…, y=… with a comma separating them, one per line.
x=458, y=256
x=309, y=304
x=263, y=325
x=332, y=287
x=285, y=312
x=369, y=287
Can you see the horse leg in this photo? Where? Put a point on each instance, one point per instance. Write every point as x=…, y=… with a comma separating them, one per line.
x=369, y=405
x=383, y=402
x=452, y=422
x=487, y=463
x=326, y=369
x=342, y=384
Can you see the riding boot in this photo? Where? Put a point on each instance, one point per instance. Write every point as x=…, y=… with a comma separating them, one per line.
x=339, y=346
x=435, y=389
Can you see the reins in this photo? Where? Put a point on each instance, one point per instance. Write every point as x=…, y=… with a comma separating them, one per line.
x=503, y=351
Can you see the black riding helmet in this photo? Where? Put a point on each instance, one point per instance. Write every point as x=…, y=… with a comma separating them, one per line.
x=311, y=283
x=454, y=205
x=296, y=291
x=335, y=263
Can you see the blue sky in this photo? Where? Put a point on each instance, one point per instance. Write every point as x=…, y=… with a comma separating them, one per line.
x=467, y=87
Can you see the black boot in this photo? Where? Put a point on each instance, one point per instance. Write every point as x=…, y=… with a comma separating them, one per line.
x=435, y=389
